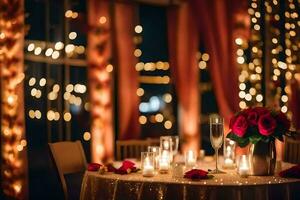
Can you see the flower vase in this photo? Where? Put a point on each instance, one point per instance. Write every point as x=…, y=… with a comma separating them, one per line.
x=262, y=157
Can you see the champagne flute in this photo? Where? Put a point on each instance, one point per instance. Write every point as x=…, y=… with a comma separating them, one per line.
x=216, y=136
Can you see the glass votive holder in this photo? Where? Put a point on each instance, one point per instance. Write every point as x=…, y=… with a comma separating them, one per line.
x=175, y=144
x=177, y=170
x=243, y=166
x=229, y=153
x=164, y=162
x=166, y=146
x=190, y=159
x=201, y=154
x=156, y=152
x=147, y=164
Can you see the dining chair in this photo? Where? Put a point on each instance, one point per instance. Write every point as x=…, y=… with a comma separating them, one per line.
x=70, y=163
x=133, y=148
x=292, y=150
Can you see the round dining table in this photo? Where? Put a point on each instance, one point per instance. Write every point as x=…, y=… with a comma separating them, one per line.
x=133, y=186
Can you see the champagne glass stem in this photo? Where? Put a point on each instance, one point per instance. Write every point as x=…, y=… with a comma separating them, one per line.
x=217, y=159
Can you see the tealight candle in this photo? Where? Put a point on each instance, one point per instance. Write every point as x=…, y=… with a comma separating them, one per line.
x=228, y=162
x=147, y=160
x=243, y=168
x=190, y=159
x=164, y=162
x=163, y=165
x=229, y=154
x=156, y=152
x=148, y=170
x=202, y=154
x=166, y=145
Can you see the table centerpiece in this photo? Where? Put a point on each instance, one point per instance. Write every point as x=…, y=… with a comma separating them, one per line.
x=258, y=128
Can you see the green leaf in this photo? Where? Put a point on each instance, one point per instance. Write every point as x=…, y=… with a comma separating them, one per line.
x=255, y=138
x=242, y=141
x=230, y=135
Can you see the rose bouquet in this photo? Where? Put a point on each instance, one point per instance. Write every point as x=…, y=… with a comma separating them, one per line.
x=258, y=124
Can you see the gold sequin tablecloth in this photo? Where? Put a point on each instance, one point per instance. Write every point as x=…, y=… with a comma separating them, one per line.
x=231, y=186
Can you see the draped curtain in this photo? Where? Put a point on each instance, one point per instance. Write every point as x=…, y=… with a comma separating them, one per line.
x=100, y=80
x=111, y=33
x=127, y=76
x=183, y=43
x=214, y=19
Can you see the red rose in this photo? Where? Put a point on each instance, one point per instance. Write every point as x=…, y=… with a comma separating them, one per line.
x=232, y=120
x=126, y=168
x=93, y=167
x=252, y=117
x=282, y=119
x=266, y=124
x=196, y=174
x=239, y=125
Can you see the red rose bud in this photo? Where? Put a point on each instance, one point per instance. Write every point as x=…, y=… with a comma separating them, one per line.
x=282, y=119
x=252, y=118
x=196, y=174
x=266, y=124
x=239, y=126
x=93, y=167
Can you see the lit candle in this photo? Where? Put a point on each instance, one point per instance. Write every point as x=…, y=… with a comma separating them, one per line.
x=164, y=162
x=228, y=151
x=202, y=154
x=228, y=163
x=229, y=154
x=190, y=159
x=156, y=152
x=166, y=144
x=243, y=166
x=148, y=169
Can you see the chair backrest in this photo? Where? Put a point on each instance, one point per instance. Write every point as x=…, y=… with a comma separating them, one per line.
x=292, y=150
x=68, y=158
x=133, y=148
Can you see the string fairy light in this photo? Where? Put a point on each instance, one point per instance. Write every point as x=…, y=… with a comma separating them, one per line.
x=250, y=77
x=275, y=46
x=292, y=52
x=13, y=162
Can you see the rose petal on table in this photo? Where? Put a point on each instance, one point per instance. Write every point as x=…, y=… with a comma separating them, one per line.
x=196, y=174
x=128, y=164
x=93, y=167
x=293, y=172
x=126, y=168
x=110, y=168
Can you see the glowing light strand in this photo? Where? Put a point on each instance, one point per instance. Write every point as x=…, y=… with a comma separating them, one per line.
x=14, y=163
